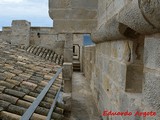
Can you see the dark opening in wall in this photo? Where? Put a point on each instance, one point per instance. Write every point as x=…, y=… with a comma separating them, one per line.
x=73, y=49
x=38, y=34
x=128, y=32
x=134, y=73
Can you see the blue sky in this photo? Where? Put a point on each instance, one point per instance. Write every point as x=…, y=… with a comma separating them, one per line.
x=35, y=11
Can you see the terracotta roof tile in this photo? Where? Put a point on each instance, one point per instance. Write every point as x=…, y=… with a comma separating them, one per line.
x=4, y=104
x=9, y=116
x=2, y=88
x=8, y=98
x=2, y=77
x=14, y=93
x=29, y=98
x=23, y=103
x=22, y=89
x=17, y=78
x=22, y=78
x=28, y=85
x=13, y=81
x=6, y=84
x=16, y=109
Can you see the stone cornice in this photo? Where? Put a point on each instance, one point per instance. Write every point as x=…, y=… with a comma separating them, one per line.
x=137, y=17
x=110, y=30
x=141, y=16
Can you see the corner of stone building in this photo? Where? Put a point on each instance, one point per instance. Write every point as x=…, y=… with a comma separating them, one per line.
x=20, y=33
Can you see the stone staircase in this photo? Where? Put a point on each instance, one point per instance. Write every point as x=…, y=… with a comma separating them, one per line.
x=76, y=66
x=45, y=54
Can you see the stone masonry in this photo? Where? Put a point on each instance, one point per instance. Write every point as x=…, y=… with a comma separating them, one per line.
x=123, y=67
x=73, y=16
x=20, y=32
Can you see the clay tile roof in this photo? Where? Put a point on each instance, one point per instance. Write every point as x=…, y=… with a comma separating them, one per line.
x=22, y=77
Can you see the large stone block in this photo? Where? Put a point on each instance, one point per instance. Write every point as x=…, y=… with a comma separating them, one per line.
x=89, y=4
x=122, y=50
x=53, y=4
x=20, y=40
x=151, y=90
x=67, y=76
x=117, y=72
x=67, y=71
x=75, y=26
x=132, y=103
x=134, y=78
x=61, y=37
x=67, y=86
x=73, y=13
x=68, y=55
x=102, y=8
x=152, y=51
x=68, y=41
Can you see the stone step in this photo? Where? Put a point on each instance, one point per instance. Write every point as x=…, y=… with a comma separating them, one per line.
x=76, y=66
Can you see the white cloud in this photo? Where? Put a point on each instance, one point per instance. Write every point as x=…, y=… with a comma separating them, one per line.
x=24, y=8
x=35, y=11
x=10, y=1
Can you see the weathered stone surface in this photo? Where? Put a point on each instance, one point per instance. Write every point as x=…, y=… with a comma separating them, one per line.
x=73, y=16
x=67, y=71
x=73, y=13
x=68, y=55
x=20, y=33
x=135, y=18
x=90, y=4
x=112, y=30
x=134, y=78
x=59, y=4
x=151, y=90
x=152, y=51
x=150, y=9
x=75, y=26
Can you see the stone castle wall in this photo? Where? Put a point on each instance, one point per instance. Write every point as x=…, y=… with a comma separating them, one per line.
x=74, y=16
x=6, y=34
x=125, y=74
x=48, y=38
x=22, y=34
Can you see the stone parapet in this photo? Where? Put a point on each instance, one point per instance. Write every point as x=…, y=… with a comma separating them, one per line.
x=74, y=16
x=20, y=32
x=67, y=76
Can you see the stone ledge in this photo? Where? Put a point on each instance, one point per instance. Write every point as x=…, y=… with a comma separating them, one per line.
x=135, y=16
x=110, y=30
